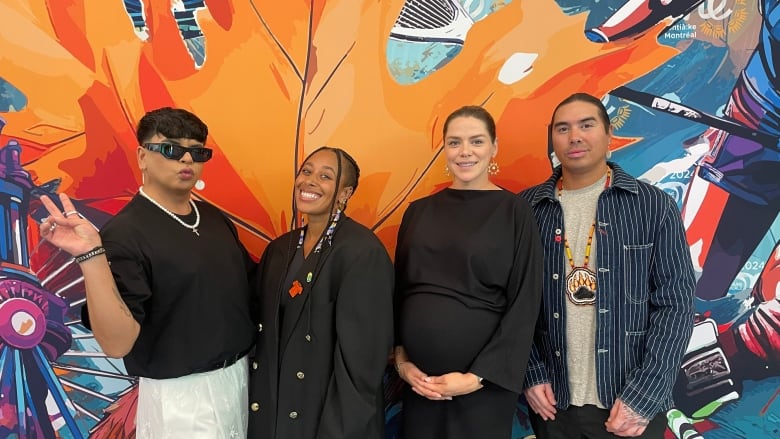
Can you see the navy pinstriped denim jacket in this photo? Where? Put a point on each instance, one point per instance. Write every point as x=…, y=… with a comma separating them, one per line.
x=645, y=295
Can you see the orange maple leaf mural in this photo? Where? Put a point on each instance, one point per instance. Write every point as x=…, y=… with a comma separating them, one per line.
x=280, y=80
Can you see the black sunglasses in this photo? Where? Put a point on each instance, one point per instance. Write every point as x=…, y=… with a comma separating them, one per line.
x=175, y=152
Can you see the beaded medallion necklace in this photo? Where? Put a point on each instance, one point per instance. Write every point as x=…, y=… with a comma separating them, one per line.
x=581, y=280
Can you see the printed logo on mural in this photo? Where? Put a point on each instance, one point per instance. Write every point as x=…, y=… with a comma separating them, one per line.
x=720, y=19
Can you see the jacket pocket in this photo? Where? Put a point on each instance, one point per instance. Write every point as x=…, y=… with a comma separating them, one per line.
x=635, y=349
x=636, y=271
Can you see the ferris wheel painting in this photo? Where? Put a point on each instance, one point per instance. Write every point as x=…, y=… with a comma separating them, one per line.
x=54, y=380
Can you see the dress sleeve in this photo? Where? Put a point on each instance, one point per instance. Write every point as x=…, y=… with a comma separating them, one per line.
x=400, y=268
x=364, y=332
x=503, y=360
x=536, y=372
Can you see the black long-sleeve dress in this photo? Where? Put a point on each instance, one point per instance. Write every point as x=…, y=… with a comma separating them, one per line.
x=468, y=291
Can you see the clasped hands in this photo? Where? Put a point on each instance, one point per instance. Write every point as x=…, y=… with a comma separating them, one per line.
x=436, y=388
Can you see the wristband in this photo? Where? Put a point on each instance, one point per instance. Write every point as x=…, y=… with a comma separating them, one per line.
x=99, y=250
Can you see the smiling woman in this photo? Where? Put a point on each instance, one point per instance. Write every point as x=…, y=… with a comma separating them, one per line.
x=470, y=146
x=324, y=308
x=464, y=373
x=317, y=184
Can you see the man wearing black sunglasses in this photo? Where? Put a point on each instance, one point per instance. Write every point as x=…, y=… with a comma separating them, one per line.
x=175, y=151
x=167, y=284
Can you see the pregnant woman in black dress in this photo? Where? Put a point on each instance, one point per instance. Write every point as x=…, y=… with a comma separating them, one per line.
x=468, y=289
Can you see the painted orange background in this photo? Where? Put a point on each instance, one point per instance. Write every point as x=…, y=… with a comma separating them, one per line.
x=282, y=78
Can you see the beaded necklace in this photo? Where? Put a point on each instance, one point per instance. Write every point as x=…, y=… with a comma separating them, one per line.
x=328, y=233
x=193, y=227
x=581, y=280
x=296, y=287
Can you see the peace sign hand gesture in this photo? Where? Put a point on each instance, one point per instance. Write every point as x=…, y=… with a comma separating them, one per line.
x=68, y=230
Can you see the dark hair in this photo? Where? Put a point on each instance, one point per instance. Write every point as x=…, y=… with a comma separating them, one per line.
x=173, y=123
x=347, y=172
x=590, y=99
x=476, y=112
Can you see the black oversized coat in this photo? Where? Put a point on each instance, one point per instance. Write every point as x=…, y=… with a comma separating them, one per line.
x=320, y=375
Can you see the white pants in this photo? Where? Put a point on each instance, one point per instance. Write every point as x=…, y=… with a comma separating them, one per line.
x=211, y=405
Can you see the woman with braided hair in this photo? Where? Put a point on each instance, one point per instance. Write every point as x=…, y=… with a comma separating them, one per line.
x=324, y=315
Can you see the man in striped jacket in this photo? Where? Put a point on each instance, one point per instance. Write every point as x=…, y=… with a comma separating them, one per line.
x=618, y=290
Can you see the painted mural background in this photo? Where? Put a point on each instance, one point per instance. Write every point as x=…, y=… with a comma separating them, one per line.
x=691, y=86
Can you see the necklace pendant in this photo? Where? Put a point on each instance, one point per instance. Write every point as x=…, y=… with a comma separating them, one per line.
x=193, y=227
x=581, y=286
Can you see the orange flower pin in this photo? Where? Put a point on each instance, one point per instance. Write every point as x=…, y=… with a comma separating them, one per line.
x=295, y=289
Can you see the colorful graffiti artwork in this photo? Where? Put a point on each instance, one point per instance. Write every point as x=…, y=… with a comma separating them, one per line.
x=691, y=86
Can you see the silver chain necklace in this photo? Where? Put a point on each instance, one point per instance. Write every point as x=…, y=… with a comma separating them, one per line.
x=193, y=227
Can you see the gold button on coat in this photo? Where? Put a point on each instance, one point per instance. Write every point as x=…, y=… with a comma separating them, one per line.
x=293, y=415
x=255, y=406
x=300, y=375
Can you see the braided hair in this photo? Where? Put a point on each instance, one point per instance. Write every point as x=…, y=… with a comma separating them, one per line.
x=347, y=174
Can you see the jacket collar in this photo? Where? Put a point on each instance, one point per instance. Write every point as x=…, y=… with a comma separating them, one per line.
x=620, y=180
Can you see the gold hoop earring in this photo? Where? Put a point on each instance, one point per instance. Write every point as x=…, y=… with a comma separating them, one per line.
x=493, y=168
x=446, y=170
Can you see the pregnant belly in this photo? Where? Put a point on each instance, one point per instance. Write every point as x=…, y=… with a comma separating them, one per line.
x=441, y=334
